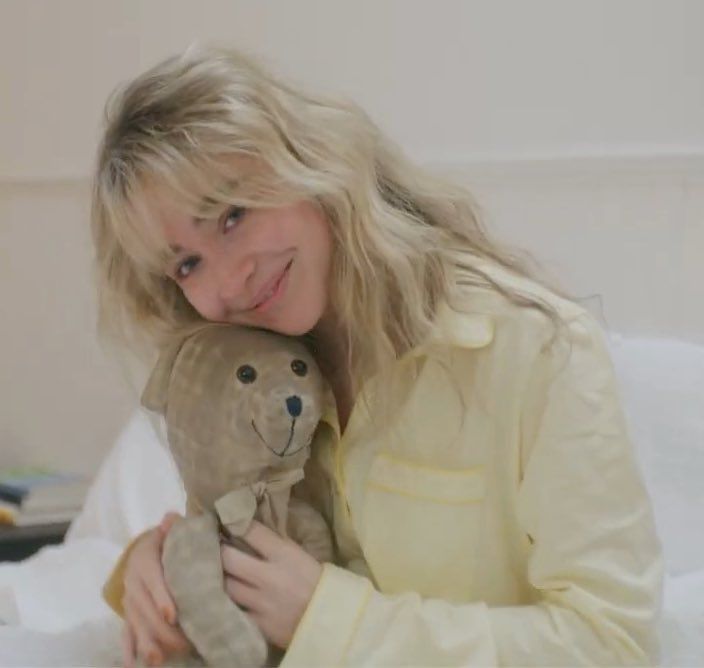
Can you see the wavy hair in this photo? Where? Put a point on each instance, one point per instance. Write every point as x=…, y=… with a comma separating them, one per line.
x=400, y=232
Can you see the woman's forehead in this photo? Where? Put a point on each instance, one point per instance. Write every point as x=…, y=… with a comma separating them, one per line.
x=166, y=208
x=145, y=226
x=161, y=200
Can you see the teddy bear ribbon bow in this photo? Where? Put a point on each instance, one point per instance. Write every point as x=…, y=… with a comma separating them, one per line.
x=267, y=500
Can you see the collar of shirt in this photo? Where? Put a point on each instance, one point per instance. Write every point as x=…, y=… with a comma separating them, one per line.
x=452, y=328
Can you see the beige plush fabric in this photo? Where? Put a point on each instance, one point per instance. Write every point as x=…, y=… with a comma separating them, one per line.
x=241, y=408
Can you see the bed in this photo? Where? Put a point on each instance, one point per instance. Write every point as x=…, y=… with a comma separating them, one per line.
x=50, y=604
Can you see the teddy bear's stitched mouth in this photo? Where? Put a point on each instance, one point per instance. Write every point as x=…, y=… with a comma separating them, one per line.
x=288, y=444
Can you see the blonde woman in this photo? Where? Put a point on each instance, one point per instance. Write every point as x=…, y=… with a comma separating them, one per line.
x=475, y=468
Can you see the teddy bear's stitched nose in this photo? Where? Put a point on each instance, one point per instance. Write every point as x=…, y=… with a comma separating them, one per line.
x=293, y=404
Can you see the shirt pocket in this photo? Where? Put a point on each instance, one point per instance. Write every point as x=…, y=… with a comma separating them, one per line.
x=421, y=526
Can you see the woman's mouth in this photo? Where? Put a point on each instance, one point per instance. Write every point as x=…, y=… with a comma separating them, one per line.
x=275, y=292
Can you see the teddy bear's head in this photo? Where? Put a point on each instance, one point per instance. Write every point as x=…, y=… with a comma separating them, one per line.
x=241, y=405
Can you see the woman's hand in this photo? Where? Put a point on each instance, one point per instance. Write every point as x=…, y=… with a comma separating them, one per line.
x=274, y=589
x=150, y=629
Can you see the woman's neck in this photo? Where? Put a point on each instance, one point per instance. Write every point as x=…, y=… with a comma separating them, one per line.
x=329, y=339
x=330, y=349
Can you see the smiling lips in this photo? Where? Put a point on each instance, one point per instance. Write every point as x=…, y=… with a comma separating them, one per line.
x=284, y=452
x=271, y=291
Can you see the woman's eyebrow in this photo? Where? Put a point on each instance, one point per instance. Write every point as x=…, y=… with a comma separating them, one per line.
x=205, y=206
x=209, y=205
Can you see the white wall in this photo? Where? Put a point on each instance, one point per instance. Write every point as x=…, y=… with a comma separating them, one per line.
x=579, y=124
x=627, y=231
x=61, y=398
x=450, y=79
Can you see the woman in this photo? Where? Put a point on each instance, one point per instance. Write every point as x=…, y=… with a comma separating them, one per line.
x=476, y=470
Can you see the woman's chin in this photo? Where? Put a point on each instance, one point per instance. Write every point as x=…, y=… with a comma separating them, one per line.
x=298, y=329
x=284, y=323
x=291, y=326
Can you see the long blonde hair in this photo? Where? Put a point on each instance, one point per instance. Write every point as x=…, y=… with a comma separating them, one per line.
x=398, y=230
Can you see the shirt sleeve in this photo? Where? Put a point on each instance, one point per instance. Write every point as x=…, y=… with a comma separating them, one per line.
x=595, y=567
x=114, y=588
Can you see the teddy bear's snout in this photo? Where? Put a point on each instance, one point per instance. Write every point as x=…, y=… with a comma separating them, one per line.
x=294, y=405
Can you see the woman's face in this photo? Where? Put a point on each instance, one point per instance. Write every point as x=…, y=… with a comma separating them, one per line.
x=266, y=267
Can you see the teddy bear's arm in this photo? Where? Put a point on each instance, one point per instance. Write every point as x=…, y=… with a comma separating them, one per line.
x=307, y=527
x=221, y=632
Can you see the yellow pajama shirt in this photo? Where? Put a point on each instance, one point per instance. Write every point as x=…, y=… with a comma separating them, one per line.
x=521, y=535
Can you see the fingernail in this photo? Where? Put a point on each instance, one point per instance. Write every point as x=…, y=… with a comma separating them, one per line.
x=169, y=615
x=154, y=658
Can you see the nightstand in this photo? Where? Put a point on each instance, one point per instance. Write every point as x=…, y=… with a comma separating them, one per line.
x=17, y=543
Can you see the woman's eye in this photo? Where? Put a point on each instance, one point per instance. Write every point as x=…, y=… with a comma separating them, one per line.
x=186, y=267
x=234, y=215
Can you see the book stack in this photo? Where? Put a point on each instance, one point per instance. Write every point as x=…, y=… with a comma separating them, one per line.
x=30, y=497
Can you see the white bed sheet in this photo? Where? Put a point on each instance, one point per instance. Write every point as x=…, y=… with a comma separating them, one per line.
x=95, y=640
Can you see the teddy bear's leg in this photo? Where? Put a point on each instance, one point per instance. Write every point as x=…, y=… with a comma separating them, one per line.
x=221, y=632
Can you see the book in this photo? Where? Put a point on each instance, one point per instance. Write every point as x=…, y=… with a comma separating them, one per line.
x=13, y=515
x=38, y=496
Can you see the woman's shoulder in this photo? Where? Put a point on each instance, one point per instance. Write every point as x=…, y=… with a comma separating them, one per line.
x=484, y=283
x=503, y=307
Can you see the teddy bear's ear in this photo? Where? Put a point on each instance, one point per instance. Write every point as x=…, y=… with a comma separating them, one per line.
x=156, y=391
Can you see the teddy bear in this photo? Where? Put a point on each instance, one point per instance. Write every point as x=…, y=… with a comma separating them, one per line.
x=241, y=406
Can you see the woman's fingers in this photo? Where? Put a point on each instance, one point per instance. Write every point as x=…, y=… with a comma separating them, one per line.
x=167, y=637
x=163, y=602
x=241, y=565
x=144, y=643
x=150, y=611
x=167, y=522
x=243, y=594
x=263, y=539
x=128, y=647
x=150, y=576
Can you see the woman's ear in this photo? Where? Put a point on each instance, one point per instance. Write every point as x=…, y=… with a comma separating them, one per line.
x=156, y=391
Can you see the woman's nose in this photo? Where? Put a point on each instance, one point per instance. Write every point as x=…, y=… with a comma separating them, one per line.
x=232, y=281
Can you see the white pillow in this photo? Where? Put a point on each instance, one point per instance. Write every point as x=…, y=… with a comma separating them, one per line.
x=662, y=384
x=137, y=483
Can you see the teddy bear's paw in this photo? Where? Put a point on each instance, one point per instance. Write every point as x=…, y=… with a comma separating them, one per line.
x=232, y=639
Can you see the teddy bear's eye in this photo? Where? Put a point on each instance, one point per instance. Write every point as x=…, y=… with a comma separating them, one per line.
x=246, y=374
x=299, y=367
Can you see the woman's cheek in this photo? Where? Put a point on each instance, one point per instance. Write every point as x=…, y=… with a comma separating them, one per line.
x=200, y=301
